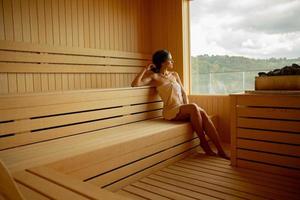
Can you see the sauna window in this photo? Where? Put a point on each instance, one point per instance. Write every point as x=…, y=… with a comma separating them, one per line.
x=231, y=41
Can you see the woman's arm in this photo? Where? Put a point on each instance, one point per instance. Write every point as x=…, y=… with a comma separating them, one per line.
x=139, y=81
x=184, y=95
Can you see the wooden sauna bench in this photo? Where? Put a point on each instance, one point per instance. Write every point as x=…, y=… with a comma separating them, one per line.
x=104, y=137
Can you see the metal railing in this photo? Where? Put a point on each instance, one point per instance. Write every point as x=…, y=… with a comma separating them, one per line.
x=224, y=82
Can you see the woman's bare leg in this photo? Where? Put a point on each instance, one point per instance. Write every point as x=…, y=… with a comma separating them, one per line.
x=191, y=110
x=211, y=131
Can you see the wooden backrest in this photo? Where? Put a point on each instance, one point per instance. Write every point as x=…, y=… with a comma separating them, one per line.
x=27, y=57
x=36, y=117
x=27, y=67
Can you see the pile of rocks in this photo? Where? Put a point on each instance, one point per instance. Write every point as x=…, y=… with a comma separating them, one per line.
x=294, y=69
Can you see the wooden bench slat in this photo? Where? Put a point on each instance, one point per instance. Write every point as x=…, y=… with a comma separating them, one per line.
x=45, y=135
x=193, y=182
x=148, y=135
x=246, y=173
x=44, y=110
x=45, y=187
x=163, y=192
x=31, y=194
x=231, y=178
x=129, y=195
x=269, y=124
x=124, y=182
x=51, y=98
x=69, y=68
x=122, y=172
x=235, y=185
x=203, y=191
x=272, y=136
x=178, y=189
x=284, y=149
x=32, y=121
x=246, y=177
x=73, y=184
x=25, y=157
x=271, y=113
x=146, y=194
x=269, y=168
x=11, y=56
x=284, y=161
x=269, y=100
x=27, y=46
x=93, y=138
x=115, y=162
x=72, y=118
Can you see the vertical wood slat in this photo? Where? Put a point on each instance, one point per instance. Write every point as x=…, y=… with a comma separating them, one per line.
x=80, y=23
x=17, y=21
x=2, y=32
x=29, y=82
x=48, y=22
x=37, y=82
x=74, y=17
x=33, y=21
x=86, y=24
x=55, y=22
x=12, y=83
x=41, y=21
x=8, y=20
x=69, y=35
x=21, y=84
x=91, y=23
x=96, y=20
x=3, y=83
x=62, y=22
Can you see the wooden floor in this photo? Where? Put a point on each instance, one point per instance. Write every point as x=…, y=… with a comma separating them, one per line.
x=208, y=177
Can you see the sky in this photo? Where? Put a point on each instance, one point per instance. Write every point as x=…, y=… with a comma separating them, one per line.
x=250, y=28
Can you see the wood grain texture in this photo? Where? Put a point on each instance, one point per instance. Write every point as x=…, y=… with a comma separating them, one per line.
x=265, y=132
x=205, y=177
x=118, y=25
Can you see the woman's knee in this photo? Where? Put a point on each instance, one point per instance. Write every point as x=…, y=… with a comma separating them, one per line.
x=188, y=109
x=197, y=108
x=202, y=112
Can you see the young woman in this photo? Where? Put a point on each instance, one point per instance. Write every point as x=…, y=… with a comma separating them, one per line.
x=175, y=101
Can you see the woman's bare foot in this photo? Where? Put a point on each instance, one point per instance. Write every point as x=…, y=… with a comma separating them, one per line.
x=206, y=148
x=223, y=155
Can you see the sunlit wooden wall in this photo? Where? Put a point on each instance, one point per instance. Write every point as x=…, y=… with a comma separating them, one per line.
x=166, y=23
x=117, y=25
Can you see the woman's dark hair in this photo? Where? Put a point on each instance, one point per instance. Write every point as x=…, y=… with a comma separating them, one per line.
x=158, y=58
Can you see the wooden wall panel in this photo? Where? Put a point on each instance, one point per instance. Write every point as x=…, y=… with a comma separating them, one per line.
x=167, y=31
x=120, y=25
x=218, y=105
x=41, y=82
x=102, y=24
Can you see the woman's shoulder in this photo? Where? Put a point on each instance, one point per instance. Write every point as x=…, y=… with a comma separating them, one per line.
x=174, y=73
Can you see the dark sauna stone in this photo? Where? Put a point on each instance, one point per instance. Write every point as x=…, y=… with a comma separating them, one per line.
x=294, y=69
